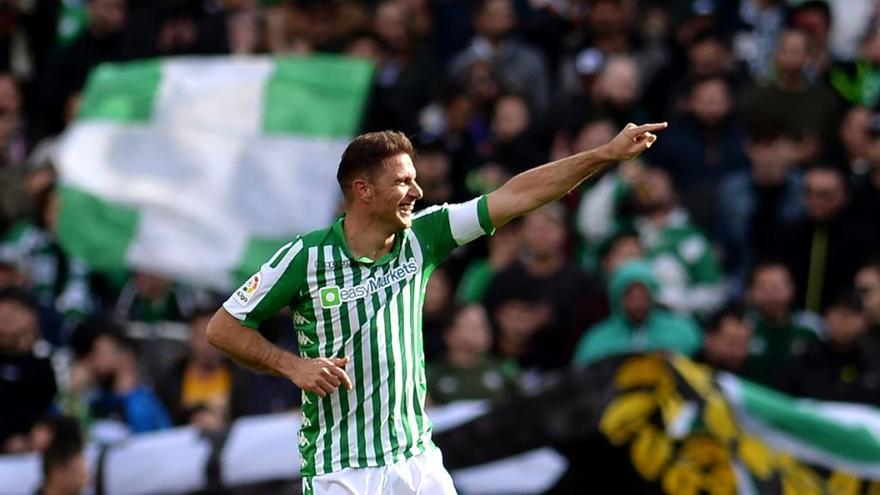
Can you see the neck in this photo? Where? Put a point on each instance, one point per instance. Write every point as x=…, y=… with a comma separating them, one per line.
x=52, y=488
x=463, y=358
x=365, y=236
x=543, y=265
x=776, y=318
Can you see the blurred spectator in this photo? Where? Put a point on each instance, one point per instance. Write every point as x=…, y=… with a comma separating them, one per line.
x=864, y=170
x=13, y=196
x=66, y=74
x=686, y=268
x=867, y=286
x=13, y=270
x=702, y=146
x=65, y=471
x=154, y=310
x=636, y=324
x=791, y=101
x=573, y=105
x=623, y=247
x=481, y=83
x=566, y=300
x=845, y=368
x=781, y=334
x=60, y=283
x=106, y=361
x=512, y=144
x=407, y=79
x=591, y=133
x=247, y=33
x=504, y=248
x=522, y=68
x=824, y=248
x=199, y=388
x=433, y=168
x=178, y=32
x=12, y=138
x=727, y=340
x=855, y=81
x=521, y=319
x=856, y=132
x=755, y=42
x=813, y=17
x=753, y=204
x=617, y=91
x=468, y=372
x=321, y=23
x=152, y=298
x=438, y=302
x=709, y=55
x=27, y=380
x=609, y=26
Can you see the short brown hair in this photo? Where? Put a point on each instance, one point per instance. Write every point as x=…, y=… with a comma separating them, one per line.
x=367, y=152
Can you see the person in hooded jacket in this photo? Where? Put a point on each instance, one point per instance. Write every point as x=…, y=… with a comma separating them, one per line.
x=636, y=323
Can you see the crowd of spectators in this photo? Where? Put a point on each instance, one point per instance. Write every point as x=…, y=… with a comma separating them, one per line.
x=747, y=237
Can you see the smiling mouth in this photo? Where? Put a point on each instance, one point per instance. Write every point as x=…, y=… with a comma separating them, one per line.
x=406, y=209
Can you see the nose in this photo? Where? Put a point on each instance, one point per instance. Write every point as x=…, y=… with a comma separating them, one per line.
x=415, y=191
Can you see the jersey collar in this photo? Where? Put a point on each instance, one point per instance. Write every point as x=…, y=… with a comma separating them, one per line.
x=339, y=235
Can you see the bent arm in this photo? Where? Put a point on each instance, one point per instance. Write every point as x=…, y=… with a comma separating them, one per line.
x=247, y=347
x=534, y=188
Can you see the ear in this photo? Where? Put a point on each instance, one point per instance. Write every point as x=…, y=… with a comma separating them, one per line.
x=362, y=190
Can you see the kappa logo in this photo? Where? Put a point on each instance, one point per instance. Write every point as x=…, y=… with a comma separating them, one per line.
x=299, y=319
x=333, y=265
x=247, y=290
x=303, y=340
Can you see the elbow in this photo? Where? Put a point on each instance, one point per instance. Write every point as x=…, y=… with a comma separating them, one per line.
x=214, y=331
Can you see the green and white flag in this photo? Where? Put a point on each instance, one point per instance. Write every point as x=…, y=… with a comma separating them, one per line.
x=831, y=435
x=200, y=167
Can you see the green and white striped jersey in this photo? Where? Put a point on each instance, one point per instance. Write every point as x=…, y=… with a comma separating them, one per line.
x=370, y=311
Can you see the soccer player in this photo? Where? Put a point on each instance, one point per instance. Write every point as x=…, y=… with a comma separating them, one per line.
x=355, y=291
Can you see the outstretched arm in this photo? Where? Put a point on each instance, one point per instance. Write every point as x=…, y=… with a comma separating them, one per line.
x=536, y=187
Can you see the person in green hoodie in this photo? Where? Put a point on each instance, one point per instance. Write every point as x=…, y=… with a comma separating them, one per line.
x=636, y=323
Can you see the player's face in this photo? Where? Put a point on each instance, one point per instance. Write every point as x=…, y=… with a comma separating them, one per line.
x=397, y=191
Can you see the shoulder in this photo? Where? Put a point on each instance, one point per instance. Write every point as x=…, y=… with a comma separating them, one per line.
x=430, y=211
x=602, y=330
x=314, y=238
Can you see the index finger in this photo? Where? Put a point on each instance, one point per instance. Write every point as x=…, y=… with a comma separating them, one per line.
x=658, y=126
x=342, y=375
